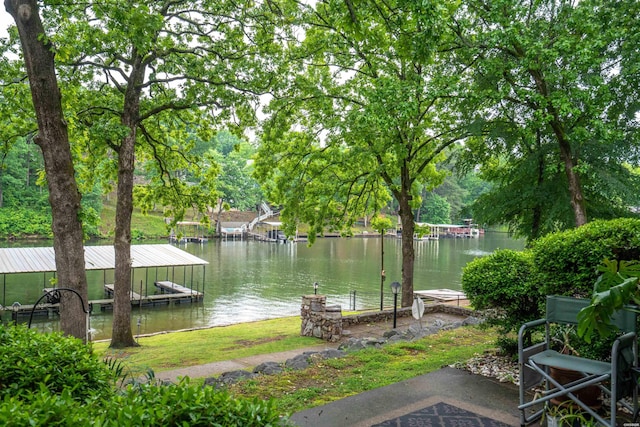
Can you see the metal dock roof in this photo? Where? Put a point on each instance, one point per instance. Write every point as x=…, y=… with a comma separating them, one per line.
x=36, y=260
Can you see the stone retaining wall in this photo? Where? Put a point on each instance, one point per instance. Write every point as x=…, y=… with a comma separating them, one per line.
x=385, y=315
x=327, y=322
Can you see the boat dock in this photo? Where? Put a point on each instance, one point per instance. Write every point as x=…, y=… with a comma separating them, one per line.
x=147, y=257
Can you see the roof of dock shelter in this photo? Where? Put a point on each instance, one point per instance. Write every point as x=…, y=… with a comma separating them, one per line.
x=37, y=260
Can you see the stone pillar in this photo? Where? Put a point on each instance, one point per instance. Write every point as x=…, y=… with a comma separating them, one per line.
x=318, y=320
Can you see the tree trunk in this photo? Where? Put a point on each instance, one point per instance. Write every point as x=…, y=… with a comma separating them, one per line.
x=575, y=187
x=122, y=335
x=53, y=140
x=408, y=254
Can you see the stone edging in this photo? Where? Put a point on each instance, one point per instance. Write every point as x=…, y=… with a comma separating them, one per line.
x=386, y=315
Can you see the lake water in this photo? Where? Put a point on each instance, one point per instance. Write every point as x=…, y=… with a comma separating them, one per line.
x=249, y=280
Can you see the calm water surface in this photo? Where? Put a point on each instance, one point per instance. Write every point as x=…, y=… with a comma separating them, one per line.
x=248, y=280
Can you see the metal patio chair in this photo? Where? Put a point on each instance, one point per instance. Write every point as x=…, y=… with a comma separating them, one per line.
x=616, y=378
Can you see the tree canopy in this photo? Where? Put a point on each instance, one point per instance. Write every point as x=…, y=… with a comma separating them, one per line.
x=362, y=115
x=559, y=113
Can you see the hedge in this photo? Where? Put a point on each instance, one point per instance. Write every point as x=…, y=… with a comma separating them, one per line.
x=54, y=380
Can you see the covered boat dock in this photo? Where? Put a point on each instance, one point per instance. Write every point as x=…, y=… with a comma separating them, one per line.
x=161, y=259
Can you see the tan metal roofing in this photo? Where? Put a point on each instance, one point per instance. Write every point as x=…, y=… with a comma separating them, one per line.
x=33, y=260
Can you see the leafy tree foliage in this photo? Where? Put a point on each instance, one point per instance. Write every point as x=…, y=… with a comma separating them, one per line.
x=139, y=78
x=437, y=210
x=559, y=113
x=362, y=115
x=20, y=167
x=235, y=183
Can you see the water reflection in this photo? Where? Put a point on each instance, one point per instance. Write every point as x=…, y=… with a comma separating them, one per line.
x=247, y=280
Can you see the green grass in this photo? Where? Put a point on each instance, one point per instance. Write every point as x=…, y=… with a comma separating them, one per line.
x=149, y=225
x=322, y=383
x=179, y=349
x=364, y=370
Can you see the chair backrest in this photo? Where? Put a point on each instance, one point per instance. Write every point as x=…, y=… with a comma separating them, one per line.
x=561, y=309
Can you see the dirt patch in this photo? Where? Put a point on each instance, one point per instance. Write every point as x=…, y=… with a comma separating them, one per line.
x=251, y=343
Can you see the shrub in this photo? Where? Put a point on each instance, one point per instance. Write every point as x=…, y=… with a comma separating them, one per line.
x=146, y=405
x=43, y=408
x=186, y=404
x=567, y=262
x=30, y=360
x=50, y=379
x=503, y=282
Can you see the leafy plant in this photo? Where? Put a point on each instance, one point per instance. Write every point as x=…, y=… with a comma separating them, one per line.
x=617, y=285
x=30, y=360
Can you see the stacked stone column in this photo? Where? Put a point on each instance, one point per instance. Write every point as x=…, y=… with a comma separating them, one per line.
x=320, y=321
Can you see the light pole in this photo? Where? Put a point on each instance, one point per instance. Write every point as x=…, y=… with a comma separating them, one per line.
x=395, y=287
x=315, y=288
x=382, y=273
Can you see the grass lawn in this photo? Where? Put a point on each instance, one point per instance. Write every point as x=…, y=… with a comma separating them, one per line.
x=364, y=370
x=324, y=382
x=179, y=349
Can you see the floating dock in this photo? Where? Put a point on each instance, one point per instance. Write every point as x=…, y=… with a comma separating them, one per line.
x=441, y=295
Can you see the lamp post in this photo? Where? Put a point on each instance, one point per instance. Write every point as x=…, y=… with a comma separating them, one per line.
x=315, y=288
x=383, y=275
x=395, y=287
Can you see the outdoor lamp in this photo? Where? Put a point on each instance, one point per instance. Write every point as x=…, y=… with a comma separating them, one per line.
x=315, y=288
x=395, y=287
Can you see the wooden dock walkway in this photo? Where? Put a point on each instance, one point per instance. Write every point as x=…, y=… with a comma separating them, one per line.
x=108, y=290
x=168, y=287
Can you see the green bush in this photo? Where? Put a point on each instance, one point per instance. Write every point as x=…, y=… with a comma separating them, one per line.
x=30, y=360
x=42, y=408
x=514, y=285
x=567, y=262
x=186, y=404
x=50, y=379
x=17, y=222
x=503, y=282
x=146, y=405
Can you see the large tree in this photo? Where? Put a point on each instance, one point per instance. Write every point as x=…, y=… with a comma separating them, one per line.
x=144, y=75
x=53, y=140
x=559, y=112
x=364, y=114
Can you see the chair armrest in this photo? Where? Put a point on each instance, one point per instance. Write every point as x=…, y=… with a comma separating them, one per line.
x=523, y=329
x=528, y=325
x=618, y=343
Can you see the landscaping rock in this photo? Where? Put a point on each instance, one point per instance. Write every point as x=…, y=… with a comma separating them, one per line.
x=298, y=362
x=332, y=354
x=391, y=333
x=304, y=360
x=268, y=368
x=227, y=378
